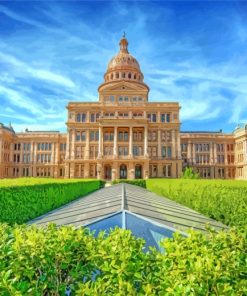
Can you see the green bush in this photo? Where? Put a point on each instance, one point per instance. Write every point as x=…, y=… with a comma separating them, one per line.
x=138, y=182
x=222, y=200
x=43, y=261
x=25, y=202
x=188, y=173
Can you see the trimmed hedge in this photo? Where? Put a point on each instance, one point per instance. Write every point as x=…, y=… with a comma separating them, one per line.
x=222, y=200
x=138, y=182
x=43, y=261
x=20, y=204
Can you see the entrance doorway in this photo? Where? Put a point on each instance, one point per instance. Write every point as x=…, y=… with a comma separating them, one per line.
x=108, y=172
x=123, y=171
x=138, y=171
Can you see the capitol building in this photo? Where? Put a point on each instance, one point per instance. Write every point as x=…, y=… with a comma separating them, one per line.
x=123, y=136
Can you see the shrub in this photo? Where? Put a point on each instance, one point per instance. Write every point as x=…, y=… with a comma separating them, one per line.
x=188, y=173
x=25, y=202
x=222, y=200
x=43, y=261
x=138, y=182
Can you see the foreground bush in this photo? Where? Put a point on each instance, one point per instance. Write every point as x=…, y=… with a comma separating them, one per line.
x=44, y=261
x=138, y=182
x=22, y=203
x=222, y=200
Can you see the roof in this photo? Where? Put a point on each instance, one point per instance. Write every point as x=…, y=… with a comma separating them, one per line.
x=201, y=132
x=132, y=199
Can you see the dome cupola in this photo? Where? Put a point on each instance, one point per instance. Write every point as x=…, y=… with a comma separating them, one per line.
x=123, y=66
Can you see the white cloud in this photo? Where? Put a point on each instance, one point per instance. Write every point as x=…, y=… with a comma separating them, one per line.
x=15, y=98
x=42, y=74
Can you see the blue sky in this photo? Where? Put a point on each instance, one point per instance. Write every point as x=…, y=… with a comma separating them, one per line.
x=191, y=52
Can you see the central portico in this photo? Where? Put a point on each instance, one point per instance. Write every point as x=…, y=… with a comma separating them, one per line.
x=123, y=135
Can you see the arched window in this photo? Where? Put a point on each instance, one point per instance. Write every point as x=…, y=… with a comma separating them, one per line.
x=129, y=76
x=139, y=77
x=117, y=75
x=134, y=76
x=123, y=75
x=111, y=76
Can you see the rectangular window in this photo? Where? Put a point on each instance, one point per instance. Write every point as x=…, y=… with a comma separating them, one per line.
x=164, y=117
x=126, y=136
x=92, y=138
x=83, y=136
x=152, y=117
x=120, y=136
x=92, y=117
x=78, y=117
x=169, y=152
x=163, y=152
x=78, y=136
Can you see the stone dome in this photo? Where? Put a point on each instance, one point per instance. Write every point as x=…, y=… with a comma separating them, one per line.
x=123, y=65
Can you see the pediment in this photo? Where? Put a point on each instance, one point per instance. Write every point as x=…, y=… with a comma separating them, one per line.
x=124, y=86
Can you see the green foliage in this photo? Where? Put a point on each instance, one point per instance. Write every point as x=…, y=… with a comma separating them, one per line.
x=36, y=261
x=138, y=182
x=23, y=202
x=222, y=200
x=188, y=173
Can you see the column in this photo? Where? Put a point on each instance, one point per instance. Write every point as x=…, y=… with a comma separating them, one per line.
x=189, y=153
x=174, y=155
x=1, y=151
x=73, y=145
x=193, y=153
x=115, y=142
x=53, y=153
x=179, y=155
x=215, y=153
x=35, y=159
x=130, y=141
x=31, y=152
x=57, y=152
x=67, y=156
x=211, y=157
x=245, y=150
x=100, y=141
x=159, y=144
x=225, y=153
x=11, y=156
x=145, y=141
x=87, y=147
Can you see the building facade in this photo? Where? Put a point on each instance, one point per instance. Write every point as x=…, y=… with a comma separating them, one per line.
x=123, y=135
